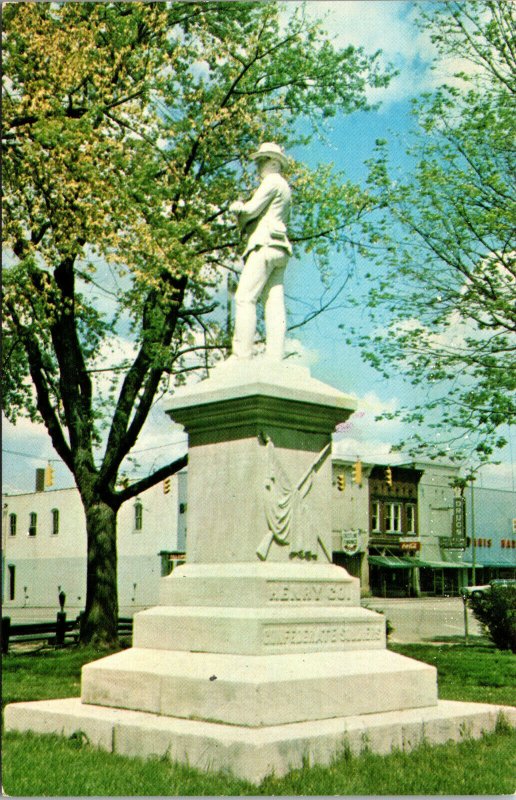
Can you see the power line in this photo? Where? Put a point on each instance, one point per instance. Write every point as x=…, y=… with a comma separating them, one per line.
x=29, y=455
x=157, y=447
x=132, y=452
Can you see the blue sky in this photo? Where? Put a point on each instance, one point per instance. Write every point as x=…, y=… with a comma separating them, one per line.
x=373, y=24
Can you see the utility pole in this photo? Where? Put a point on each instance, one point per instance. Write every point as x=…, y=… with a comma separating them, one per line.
x=466, y=626
x=473, y=538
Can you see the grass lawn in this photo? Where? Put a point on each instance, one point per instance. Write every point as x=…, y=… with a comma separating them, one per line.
x=54, y=766
x=44, y=674
x=477, y=673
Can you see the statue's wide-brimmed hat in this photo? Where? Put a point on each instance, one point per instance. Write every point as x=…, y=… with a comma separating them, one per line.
x=271, y=150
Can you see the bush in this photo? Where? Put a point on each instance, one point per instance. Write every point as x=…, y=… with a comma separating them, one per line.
x=496, y=611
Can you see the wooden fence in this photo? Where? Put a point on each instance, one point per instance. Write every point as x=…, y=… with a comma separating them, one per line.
x=58, y=633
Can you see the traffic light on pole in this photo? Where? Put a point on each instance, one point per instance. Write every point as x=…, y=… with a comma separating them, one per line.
x=341, y=482
x=166, y=486
x=357, y=471
x=388, y=476
x=49, y=475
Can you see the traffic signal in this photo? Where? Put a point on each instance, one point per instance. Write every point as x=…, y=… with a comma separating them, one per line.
x=341, y=482
x=49, y=475
x=388, y=476
x=357, y=471
x=166, y=486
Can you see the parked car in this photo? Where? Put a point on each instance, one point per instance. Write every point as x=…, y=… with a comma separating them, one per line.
x=475, y=591
x=503, y=582
x=478, y=591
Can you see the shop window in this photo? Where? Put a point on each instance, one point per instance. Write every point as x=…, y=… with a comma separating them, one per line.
x=13, y=521
x=12, y=581
x=33, y=523
x=55, y=521
x=411, y=518
x=138, y=516
x=375, y=516
x=393, y=517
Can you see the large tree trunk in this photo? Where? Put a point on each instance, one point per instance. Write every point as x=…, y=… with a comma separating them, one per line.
x=100, y=620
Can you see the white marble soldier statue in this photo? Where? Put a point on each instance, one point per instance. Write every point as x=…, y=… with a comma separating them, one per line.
x=263, y=222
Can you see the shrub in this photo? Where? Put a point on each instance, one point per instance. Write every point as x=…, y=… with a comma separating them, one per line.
x=496, y=611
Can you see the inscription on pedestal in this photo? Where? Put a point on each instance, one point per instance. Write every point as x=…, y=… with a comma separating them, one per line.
x=308, y=592
x=315, y=633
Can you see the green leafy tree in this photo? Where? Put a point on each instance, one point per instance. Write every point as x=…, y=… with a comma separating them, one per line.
x=126, y=127
x=444, y=288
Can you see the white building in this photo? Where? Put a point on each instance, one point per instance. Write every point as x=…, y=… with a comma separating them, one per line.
x=44, y=549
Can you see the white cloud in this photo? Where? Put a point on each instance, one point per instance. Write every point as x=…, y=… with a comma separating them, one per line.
x=26, y=447
x=389, y=26
x=371, y=403
x=369, y=451
x=363, y=436
x=299, y=354
x=114, y=352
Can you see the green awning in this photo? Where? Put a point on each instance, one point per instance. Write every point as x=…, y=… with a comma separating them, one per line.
x=393, y=562
x=399, y=562
x=442, y=564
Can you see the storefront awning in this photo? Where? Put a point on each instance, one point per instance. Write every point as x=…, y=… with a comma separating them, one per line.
x=398, y=562
x=443, y=564
x=391, y=562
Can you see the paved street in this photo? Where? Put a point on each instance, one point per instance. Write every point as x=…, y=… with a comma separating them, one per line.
x=414, y=619
x=424, y=619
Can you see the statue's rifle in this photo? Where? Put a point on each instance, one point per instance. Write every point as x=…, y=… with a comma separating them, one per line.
x=263, y=549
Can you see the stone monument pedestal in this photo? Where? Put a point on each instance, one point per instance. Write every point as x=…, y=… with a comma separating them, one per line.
x=259, y=655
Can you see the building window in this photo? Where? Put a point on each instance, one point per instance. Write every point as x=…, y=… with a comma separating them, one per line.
x=12, y=524
x=393, y=517
x=375, y=516
x=138, y=516
x=411, y=518
x=55, y=521
x=12, y=579
x=33, y=523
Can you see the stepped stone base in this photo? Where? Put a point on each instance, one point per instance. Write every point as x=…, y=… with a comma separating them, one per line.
x=258, y=690
x=253, y=753
x=258, y=631
x=260, y=585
